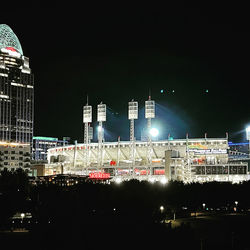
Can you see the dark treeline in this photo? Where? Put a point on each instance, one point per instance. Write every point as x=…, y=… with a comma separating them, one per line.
x=97, y=213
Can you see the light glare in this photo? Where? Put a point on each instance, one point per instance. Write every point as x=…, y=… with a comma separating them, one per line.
x=154, y=132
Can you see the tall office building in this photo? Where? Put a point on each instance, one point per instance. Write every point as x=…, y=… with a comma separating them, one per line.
x=16, y=90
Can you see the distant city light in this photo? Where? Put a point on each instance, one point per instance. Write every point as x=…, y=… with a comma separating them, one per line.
x=162, y=90
x=161, y=208
x=154, y=132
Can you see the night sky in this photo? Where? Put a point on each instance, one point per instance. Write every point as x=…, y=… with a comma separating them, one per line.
x=118, y=54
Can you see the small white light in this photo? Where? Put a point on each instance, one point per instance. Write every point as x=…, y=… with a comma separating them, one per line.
x=161, y=208
x=163, y=180
x=118, y=180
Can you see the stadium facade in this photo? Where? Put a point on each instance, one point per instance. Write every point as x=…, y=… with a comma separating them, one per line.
x=188, y=160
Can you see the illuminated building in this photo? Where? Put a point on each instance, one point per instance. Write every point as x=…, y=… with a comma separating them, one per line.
x=16, y=102
x=42, y=144
x=188, y=160
x=14, y=155
x=16, y=90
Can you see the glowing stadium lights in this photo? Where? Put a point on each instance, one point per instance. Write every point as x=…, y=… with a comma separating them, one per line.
x=248, y=138
x=87, y=118
x=132, y=115
x=149, y=114
x=101, y=117
x=154, y=132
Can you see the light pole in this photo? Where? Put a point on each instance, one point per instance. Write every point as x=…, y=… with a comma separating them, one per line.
x=22, y=216
x=161, y=209
x=203, y=205
x=236, y=205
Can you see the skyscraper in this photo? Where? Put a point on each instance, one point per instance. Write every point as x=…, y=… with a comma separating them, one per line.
x=16, y=90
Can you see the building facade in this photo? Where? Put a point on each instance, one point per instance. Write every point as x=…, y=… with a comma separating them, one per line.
x=16, y=90
x=14, y=155
x=42, y=144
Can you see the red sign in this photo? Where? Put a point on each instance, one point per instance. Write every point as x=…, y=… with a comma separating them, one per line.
x=112, y=163
x=99, y=175
x=159, y=171
x=11, y=49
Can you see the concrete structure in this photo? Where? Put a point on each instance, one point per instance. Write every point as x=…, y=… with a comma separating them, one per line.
x=14, y=155
x=188, y=160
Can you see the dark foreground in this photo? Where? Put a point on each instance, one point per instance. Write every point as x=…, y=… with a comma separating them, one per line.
x=218, y=231
x=125, y=216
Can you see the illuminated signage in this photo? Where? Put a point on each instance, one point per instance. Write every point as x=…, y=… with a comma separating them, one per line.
x=159, y=171
x=99, y=175
x=11, y=51
x=44, y=138
x=197, y=146
x=207, y=151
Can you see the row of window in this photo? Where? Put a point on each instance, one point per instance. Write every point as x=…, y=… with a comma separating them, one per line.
x=13, y=152
x=15, y=158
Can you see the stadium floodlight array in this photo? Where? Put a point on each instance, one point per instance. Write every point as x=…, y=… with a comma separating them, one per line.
x=101, y=117
x=149, y=114
x=132, y=115
x=87, y=118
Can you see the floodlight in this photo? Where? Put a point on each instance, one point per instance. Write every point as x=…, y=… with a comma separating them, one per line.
x=132, y=110
x=87, y=114
x=101, y=112
x=248, y=132
x=154, y=132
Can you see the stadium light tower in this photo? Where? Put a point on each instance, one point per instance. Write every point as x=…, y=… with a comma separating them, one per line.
x=149, y=114
x=87, y=118
x=132, y=115
x=101, y=117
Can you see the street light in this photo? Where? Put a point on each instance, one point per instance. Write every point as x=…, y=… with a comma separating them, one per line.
x=22, y=216
x=161, y=209
x=236, y=203
x=203, y=205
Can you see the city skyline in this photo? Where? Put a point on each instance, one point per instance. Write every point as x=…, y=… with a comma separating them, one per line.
x=199, y=54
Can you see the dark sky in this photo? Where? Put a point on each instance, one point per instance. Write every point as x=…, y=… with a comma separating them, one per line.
x=118, y=54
